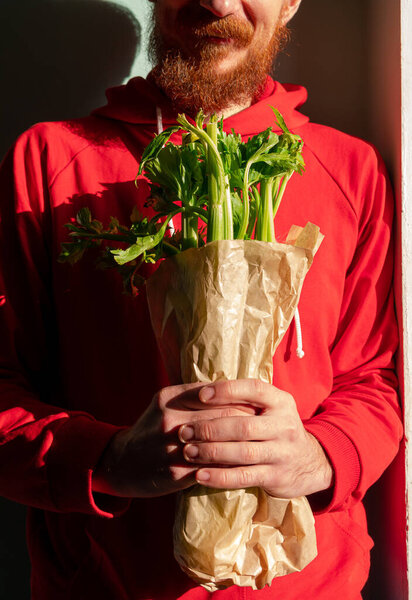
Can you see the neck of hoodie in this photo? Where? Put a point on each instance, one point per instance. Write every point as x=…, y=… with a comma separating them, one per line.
x=135, y=104
x=232, y=110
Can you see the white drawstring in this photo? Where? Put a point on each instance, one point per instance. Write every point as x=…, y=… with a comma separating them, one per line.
x=159, y=131
x=159, y=120
x=299, y=341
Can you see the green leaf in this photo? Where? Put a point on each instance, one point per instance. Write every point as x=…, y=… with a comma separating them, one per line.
x=178, y=172
x=280, y=120
x=84, y=217
x=142, y=244
x=72, y=252
x=152, y=150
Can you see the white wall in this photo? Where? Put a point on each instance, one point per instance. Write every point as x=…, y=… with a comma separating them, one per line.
x=142, y=10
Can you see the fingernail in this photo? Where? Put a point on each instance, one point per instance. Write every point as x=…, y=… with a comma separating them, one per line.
x=191, y=451
x=206, y=393
x=186, y=433
x=203, y=476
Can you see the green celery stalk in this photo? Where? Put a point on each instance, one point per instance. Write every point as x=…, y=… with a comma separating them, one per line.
x=279, y=192
x=221, y=223
x=252, y=221
x=216, y=225
x=189, y=231
x=266, y=231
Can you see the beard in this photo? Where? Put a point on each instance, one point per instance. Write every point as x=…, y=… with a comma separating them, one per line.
x=187, y=72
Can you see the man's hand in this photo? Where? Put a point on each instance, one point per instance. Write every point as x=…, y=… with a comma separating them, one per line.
x=147, y=459
x=269, y=449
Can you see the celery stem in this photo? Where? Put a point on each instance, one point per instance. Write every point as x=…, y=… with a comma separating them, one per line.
x=228, y=214
x=189, y=231
x=217, y=203
x=279, y=193
x=267, y=226
x=252, y=219
x=246, y=208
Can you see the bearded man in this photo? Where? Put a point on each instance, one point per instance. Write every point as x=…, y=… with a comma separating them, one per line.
x=94, y=439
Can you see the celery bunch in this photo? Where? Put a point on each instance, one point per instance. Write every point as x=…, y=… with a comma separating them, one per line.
x=223, y=188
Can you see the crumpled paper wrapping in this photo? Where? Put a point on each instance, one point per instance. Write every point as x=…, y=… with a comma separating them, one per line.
x=242, y=537
x=219, y=312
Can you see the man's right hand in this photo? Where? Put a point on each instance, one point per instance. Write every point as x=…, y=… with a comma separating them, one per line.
x=146, y=460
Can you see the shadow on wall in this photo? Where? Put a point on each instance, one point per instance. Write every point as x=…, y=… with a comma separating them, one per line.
x=328, y=54
x=56, y=60
x=57, y=57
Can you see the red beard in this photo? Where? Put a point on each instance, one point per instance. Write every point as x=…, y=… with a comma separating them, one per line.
x=187, y=73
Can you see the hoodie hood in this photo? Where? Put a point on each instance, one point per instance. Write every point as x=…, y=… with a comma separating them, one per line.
x=136, y=103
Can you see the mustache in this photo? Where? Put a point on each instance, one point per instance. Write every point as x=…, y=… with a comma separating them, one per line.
x=201, y=24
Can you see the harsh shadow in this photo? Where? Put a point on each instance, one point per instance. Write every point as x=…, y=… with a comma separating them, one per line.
x=57, y=58
x=328, y=54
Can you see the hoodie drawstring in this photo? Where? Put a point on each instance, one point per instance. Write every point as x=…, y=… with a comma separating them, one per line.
x=299, y=341
x=159, y=120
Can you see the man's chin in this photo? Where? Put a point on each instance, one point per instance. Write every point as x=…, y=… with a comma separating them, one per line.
x=227, y=62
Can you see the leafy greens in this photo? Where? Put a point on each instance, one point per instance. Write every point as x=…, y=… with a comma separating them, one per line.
x=233, y=187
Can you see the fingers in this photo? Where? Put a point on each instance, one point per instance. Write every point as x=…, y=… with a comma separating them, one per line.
x=234, y=478
x=232, y=428
x=186, y=397
x=181, y=397
x=244, y=391
x=233, y=453
x=171, y=421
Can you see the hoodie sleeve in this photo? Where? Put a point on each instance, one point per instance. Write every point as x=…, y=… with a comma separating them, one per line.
x=47, y=453
x=359, y=424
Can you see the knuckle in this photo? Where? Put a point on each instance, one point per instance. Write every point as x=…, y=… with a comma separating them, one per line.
x=225, y=479
x=161, y=398
x=246, y=478
x=210, y=452
x=245, y=428
x=277, y=480
x=291, y=433
x=289, y=400
x=250, y=453
x=266, y=454
x=204, y=431
x=166, y=422
x=258, y=387
x=229, y=388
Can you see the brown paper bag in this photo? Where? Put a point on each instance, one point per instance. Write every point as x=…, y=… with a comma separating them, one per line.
x=219, y=312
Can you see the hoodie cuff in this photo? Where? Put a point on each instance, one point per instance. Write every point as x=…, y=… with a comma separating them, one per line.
x=76, y=449
x=344, y=459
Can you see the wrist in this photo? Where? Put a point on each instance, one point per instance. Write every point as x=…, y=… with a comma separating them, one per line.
x=105, y=477
x=324, y=470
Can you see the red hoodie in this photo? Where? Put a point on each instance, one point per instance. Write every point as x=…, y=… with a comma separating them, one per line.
x=78, y=359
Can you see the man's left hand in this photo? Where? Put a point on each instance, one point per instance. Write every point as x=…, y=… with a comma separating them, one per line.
x=270, y=449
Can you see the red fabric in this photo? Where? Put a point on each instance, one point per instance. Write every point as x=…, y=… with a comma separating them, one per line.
x=78, y=360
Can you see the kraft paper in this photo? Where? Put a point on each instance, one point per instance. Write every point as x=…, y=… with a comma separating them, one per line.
x=219, y=312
